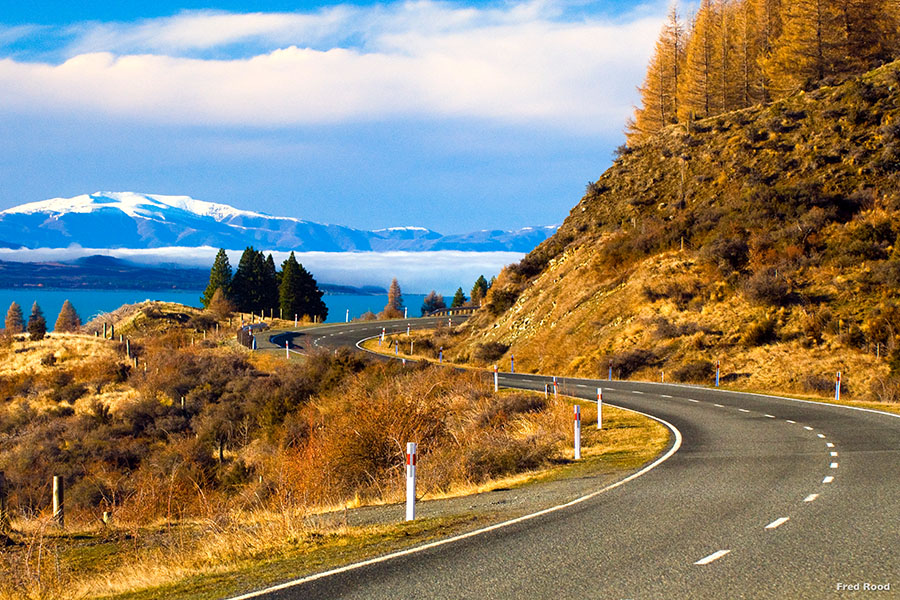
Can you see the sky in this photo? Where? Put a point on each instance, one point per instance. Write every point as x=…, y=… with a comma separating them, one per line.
x=456, y=116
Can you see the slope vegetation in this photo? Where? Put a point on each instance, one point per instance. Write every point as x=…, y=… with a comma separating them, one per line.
x=765, y=238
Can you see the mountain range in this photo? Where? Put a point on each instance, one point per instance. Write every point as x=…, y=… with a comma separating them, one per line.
x=135, y=220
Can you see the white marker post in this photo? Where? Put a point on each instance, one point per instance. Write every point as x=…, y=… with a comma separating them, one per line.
x=407, y=330
x=295, y=319
x=577, y=432
x=287, y=349
x=717, y=373
x=599, y=408
x=609, y=378
x=837, y=387
x=381, y=341
x=441, y=356
x=410, y=481
x=496, y=379
x=555, y=387
x=512, y=363
x=347, y=319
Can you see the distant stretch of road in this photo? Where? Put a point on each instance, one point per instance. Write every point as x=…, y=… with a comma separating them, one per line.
x=765, y=498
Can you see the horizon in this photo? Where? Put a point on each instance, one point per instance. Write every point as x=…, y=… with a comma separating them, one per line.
x=453, y=116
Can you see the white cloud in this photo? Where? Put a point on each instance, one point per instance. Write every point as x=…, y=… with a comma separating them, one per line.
x=519, y=63
x=418, y=272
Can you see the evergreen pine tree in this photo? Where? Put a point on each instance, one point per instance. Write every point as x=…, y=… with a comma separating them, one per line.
x=310, y=295
x=37, y=325
x=394, y=307
x=68, y=320
x=272, y=282
x=459, y=299
x=249, y=283
x=219, y=278
x=15, y=321
x=479, y=291
x=290, y=292
x=433, y=301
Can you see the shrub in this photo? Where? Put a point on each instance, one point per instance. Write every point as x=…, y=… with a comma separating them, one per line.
x=760, y=333
x=666, y=330
x=814, y=382
x=698, y=371
x=490, y=351
x=626, y=363
x=768, y=288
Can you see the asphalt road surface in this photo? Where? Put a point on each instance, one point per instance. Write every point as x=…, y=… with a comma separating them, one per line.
x=765, y=498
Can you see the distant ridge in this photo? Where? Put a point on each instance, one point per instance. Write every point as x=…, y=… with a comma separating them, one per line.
x=135, y=220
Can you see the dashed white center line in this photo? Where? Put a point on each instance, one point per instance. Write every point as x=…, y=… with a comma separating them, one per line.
x=718, y=406
x=807, y=427
x=811, y=497
x=821, y=435
x=828, y=479
x=714, y=556
x=829, y=445
x=833, y=466
x=692, y=400
x=769, y=416
x=743, y=410
x=636, y=392
x=833, y=453
x=664, y=396
x=778, y=522
x=791, y=422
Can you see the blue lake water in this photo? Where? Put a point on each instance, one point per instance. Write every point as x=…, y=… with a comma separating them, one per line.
x=90, y=303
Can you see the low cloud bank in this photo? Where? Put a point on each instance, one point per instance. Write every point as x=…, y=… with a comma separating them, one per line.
x=417, y=272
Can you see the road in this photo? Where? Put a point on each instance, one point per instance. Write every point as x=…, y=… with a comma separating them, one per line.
x=766, y=498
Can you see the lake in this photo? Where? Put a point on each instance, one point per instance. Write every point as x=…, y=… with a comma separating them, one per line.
x=90, y=303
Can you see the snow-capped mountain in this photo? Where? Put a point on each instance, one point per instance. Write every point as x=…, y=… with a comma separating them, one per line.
x=132, y=220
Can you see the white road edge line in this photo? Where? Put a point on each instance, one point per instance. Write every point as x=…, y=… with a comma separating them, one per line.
x=719, y=405
x=743, y=410
x=833, y=465
x=463, y=536
x=833, y=453
x=811, y=497
x=828, y=479
x=769, y=416
x=791, y=422
x=714, y=556
x=829, y=445
x=807, y=427
x=692, y=400
x=778, y=523
x=821, y=435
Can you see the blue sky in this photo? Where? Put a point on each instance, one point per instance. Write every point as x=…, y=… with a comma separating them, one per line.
x=453, y=116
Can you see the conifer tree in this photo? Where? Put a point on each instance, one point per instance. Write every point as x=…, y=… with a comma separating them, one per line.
x=298, y=293
x=249, y=282
x=15, y=321
x=767, y=15
x=68, y=320
x=702, y=63
x=807, y=50
x=37, y=325
x=219, y=278
x=659, y=94
x=394, y=307
x=271, y=285
x=479, y=291
x=432, y=302
x=865, y=39
x=220, y=305
x=459, y=299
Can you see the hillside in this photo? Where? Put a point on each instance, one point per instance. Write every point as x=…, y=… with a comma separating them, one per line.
x=764, y=238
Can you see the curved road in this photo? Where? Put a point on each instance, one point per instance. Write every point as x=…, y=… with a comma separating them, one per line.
x=766, y=498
